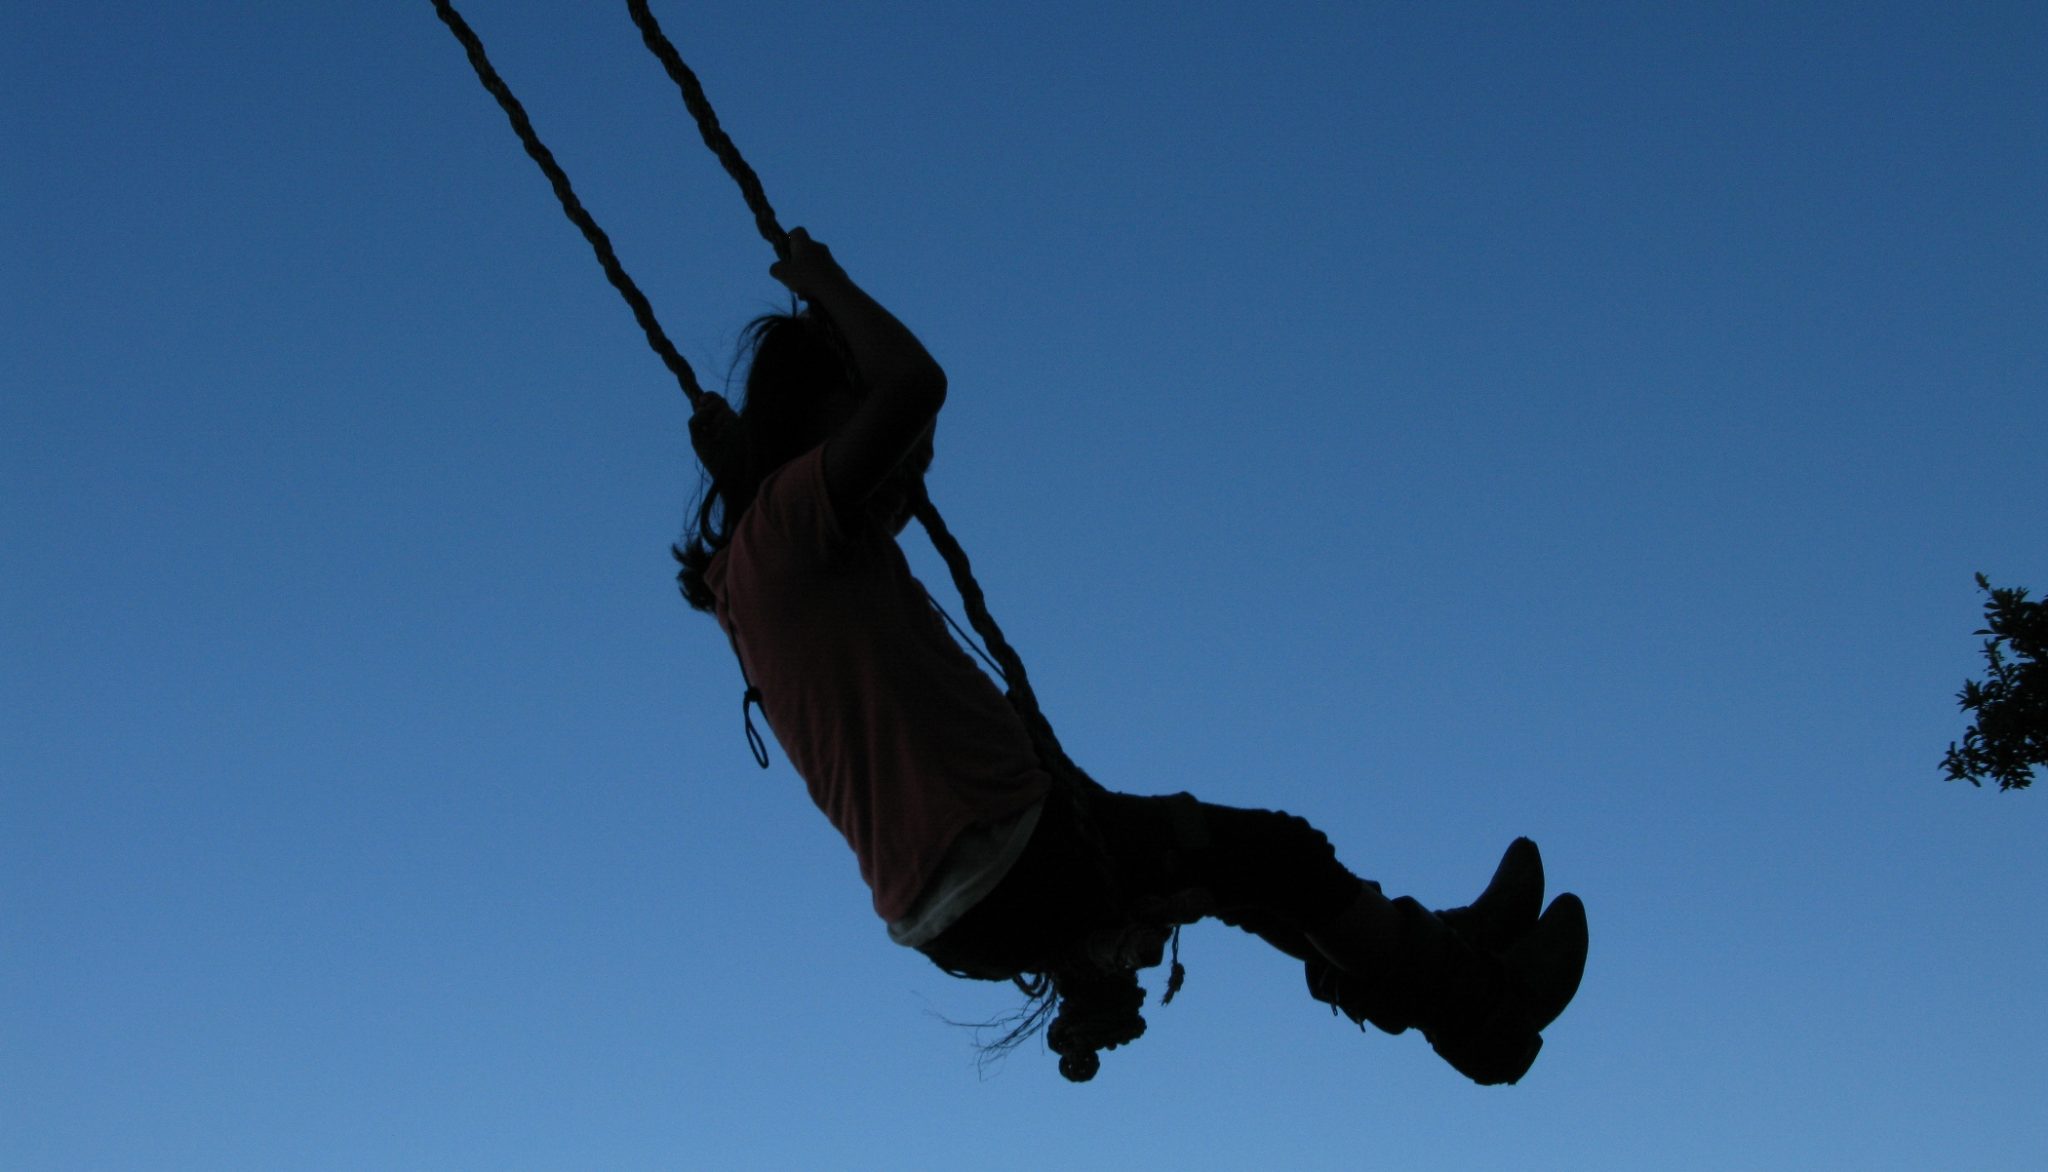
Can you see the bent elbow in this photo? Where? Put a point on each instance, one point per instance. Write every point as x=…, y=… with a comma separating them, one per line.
x=927, y=388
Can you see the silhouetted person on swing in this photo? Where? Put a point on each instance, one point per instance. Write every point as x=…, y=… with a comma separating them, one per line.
x=974, y=855
x=984, y=847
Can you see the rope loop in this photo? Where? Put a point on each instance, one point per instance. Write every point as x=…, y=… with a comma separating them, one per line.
x=755, y=745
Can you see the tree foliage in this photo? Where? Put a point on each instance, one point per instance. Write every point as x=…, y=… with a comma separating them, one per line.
x=2009, y=736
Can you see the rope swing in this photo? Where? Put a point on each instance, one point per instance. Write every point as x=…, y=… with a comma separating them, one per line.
x=716, y=434
x=1015, y=678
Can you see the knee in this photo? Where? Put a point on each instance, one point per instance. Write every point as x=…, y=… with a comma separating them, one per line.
x=1273, y=860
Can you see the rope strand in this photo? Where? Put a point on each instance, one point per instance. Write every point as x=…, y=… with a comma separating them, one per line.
x=721, y=144
x=1021, y=696
x=600, y=243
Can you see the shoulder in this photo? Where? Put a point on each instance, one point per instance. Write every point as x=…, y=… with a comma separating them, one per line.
x=792, y=509
x=796, y=488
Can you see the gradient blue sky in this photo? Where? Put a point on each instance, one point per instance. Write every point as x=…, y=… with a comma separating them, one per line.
x=1446, y=421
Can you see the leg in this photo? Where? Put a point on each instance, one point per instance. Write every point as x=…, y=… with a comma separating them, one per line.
x=1491, y=924
x=1276, y=876
x=1480, y=981
x=1262, y=871
x=1267, y=873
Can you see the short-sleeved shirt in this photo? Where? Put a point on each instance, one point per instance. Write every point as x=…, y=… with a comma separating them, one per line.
x=902, y=740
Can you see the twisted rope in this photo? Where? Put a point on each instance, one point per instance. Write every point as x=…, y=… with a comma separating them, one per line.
x=1022, y=698
x=578, y=215
x=707, y=125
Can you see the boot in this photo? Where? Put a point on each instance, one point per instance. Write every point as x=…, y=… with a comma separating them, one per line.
x=1481, y=1013
x=1509, y=905
x=1491, y=924
x=1493, y=1039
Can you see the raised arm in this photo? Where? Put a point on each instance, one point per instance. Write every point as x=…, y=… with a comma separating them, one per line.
x=905, y=387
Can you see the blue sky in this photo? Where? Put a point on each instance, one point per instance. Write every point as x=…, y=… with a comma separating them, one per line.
x=1444, y=421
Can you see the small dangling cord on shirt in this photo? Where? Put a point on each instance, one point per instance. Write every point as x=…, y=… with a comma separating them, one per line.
x=749, y=700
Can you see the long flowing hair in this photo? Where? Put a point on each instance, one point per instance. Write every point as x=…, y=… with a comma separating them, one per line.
x=795, y=362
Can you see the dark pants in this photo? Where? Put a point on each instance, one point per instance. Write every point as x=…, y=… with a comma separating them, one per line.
x=1268, y=873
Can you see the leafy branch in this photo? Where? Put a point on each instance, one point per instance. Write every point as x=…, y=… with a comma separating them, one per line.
x=2010, y=734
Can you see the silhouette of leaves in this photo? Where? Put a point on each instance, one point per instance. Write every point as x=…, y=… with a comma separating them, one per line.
x=2009, y=736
